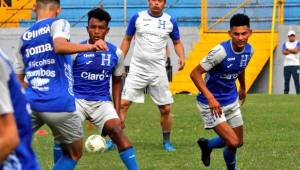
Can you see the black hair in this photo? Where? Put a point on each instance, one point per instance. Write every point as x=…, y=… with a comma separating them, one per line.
x=239, y=20
x=99, y=14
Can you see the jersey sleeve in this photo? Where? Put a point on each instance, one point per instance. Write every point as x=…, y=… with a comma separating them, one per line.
x=284, y=47
x=60, y=29
x=174, y=35
x=213, y=58
x=119, y=70
x=131, y=25
x=5, y=101
x=298, y=44
x=19, y=64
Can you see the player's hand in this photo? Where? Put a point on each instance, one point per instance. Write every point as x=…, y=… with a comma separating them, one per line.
x=181, y=63
x=215, y=107
x=100, y=45
x=242, y=96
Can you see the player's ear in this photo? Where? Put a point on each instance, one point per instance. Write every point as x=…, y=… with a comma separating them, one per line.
x=34, y=8
x=58, y=10
x=107, y=30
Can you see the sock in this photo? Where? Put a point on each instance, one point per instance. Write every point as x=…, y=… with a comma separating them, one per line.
x=64, y=163
x=166, y=137
x=216, y=142
x=128, y=158
x=230, y=158
x=57, y=152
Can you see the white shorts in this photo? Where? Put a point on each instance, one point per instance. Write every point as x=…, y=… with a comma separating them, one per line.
x=230, y=113
x=158, y=86
x=98, y=112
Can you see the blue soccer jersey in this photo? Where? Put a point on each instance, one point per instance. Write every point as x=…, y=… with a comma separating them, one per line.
x=223, y=66
x=49, y=75
x=12, y=100
x=92, y=72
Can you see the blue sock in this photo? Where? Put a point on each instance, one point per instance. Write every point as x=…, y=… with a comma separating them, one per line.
x=64, y=163
x=128, y=158
x=230, y=158
x=216, y=142
x=57, y=152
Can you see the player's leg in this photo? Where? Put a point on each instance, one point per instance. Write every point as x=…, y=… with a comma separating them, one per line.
x=133, y=91
x=107, y=121
x=287, y=77
x=235, y=121
x=166, y=121
x=162, y=97
x=125, y=104
x=67, y=131
x=210, y=122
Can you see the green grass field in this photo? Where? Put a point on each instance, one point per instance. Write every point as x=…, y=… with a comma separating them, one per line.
x=271, y=137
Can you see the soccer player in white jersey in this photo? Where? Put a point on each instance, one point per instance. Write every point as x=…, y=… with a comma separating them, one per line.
x=45, y=62
x=218, y=99
x=92, y=73
x=152, y=28
x=15, y=124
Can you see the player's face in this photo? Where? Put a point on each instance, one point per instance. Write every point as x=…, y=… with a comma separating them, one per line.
x=292, y=38
x=97, y=30
x=239, y=36
x=156, y=6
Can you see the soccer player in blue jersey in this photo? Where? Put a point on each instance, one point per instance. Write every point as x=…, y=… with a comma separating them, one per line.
x=15, y=123
x=45, y=62
x=218, y=100
x=151, y=28
x=92, y=74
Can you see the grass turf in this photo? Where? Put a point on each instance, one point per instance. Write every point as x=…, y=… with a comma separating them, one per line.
x=271, y=137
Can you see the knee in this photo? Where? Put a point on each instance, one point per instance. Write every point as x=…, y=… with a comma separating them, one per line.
x=165, y=110
x=233, y=143
x=115, y=132
x=125, y=104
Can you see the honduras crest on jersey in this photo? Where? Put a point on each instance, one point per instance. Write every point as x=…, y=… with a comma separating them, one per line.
x=92, y=73
x=221, y=78
x=49, y=74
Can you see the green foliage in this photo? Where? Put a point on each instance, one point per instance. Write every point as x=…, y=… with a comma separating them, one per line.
x=271, y=137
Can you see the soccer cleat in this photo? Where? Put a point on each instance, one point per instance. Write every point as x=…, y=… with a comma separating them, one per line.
x=168, y=147
x=205, y=157
x=109, y=145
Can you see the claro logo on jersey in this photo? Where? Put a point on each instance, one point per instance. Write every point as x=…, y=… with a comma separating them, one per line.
x=29, y=35
x=92, y=76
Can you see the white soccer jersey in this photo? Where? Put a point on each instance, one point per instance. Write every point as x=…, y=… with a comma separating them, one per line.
x=291, y=59
x=151, y=36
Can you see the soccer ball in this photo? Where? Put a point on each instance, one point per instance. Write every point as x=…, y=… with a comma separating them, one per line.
x=95, y=143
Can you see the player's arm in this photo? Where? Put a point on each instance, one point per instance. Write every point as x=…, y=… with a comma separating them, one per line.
x=178, y=46
x=214, y=57
x=179, y=49
x=116, y=92
x=242, y=91
x=60, y=31
x=285, y=50
x=9, y=138
x=117, y=81
x=196, y=76
x=130, y=31
x=125, y=45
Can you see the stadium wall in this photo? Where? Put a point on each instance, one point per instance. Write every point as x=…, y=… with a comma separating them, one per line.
x=9, y=40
